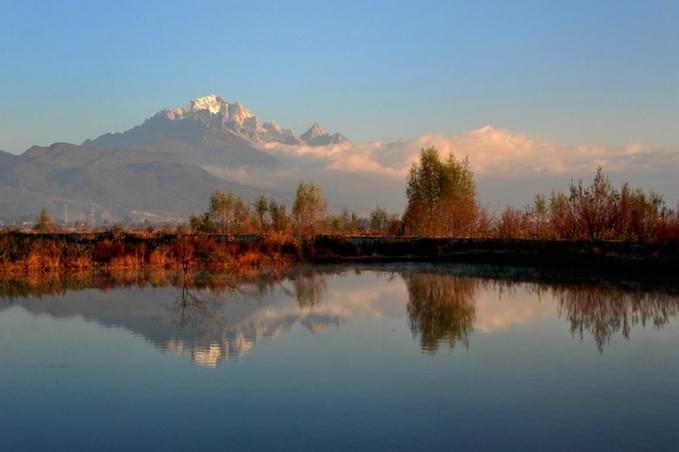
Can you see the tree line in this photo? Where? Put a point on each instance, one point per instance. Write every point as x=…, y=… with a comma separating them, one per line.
x=230, y=214
x=442, y=202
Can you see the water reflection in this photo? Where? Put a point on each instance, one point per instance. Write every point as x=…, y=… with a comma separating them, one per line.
x=604, y=312
x=213, y=317
x=309, y=287
x=441, y=308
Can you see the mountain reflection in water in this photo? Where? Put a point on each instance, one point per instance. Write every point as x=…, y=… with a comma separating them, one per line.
x=212, y=318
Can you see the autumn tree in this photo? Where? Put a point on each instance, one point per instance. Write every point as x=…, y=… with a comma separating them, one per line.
x=309, y=209
x=226, y=214
x=346, y=222
x=280, y=220
x=599, y=211
x=560, y=216
x=261, y=210
x=241, y=216
x=441, y=196
x=513, y=224
x=638, y=214
x=594, y=207
x=220, y=211
x=539, y=214
x=44, y=222
x=379, y=220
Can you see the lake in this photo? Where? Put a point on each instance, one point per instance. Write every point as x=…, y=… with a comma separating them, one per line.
x=382, y=357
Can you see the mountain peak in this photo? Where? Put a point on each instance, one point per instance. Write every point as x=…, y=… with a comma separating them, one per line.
x=214, y=116
x=314, y=131
x=316, y=136
x=211, y=103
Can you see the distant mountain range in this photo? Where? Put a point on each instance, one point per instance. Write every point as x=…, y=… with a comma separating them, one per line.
x=6, y=158
x=156, y=170
x=165, y=168
x=208, y=131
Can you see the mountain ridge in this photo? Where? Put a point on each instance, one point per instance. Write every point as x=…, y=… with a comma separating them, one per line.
x=117, y=183
x=163, y=167
x=212, y=121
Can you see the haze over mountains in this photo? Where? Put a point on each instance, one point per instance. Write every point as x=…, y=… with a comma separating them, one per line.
x=153, y=171
x=166, y=167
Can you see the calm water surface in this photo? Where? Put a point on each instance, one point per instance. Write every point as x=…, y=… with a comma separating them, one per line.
x=374, y=358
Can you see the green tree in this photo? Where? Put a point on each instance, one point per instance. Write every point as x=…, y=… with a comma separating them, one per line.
x=441, y=196
x=309, y=209
x=44, y=222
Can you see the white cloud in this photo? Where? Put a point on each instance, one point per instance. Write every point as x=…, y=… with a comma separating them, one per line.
x=510, y=167
x=490, y=151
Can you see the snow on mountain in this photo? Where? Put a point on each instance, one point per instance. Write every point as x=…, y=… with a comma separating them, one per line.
x=215, y=111
x=210, y=130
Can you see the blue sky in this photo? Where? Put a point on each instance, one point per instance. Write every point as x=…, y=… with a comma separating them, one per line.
x=604, y=72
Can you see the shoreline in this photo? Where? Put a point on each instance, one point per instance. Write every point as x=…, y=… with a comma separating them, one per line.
x=25, y=253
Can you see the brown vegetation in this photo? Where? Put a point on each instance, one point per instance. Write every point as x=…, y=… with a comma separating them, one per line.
x=442, y=203
x=30, y=253
x=441, y=206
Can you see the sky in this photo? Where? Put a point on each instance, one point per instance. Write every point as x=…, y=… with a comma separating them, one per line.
x=604, y=73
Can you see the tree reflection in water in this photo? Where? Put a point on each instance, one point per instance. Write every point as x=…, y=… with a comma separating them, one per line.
x=202, y=293
x=195, y=306
x=309, y=287
x=442, y=302
x=441, y=308
x=606, y=311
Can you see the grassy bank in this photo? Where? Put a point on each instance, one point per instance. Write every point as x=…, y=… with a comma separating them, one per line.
x=22, y=252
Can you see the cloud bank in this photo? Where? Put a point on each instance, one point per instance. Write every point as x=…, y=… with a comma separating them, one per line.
x=490, y=151
x=510, y=167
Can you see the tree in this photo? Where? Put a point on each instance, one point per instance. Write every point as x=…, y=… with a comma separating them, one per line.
x=512, y=224
x=226, y=214
x=309, y=209
x=343, y=223
x=44, y=222
x=379, y=220
x=220, y=211
x=441, y=196
x=594, y=207
x=280, y=220
x=540, y=215
x=241, y=216
x=261, y=209
x=560, y=216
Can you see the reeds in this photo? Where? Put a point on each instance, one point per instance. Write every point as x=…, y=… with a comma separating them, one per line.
x=31, y=253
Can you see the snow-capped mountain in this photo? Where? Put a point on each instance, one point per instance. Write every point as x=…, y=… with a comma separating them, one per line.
x=216, y=111
x=167, y=166
x=210, y=130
